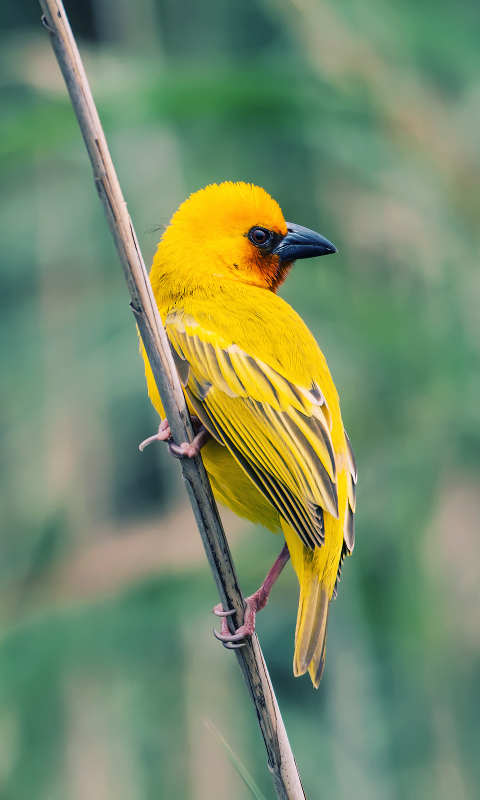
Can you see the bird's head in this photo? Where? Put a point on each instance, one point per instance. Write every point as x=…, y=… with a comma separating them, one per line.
x=236, y=231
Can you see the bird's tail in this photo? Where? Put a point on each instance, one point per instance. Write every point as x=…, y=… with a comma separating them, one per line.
x=312, y=619
x=311, y=632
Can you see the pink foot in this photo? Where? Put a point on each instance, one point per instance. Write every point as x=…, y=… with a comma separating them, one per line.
x=254, y=603
x=162, y=435
x=186, y=449
x=225, y=634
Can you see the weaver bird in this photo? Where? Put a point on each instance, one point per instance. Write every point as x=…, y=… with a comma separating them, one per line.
x=265, y=408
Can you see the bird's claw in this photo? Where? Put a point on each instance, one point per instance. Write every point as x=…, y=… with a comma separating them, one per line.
x=229, y=641
x=230, y=637
x=230, y=646
x=219, y=612
x=163, y=435
x=186, y=449
x=178, y=451
x=227, y=638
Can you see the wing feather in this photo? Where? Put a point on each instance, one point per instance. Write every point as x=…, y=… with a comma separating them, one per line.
x=278, y=431
x=202, y=414
x=183, y=367
x=349, y=528
x=343, y=554
x=349, y=522
x=214, y=368
x=351, y=458
x=228, y=372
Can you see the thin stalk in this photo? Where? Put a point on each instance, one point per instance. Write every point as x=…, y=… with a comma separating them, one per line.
x=281, y=762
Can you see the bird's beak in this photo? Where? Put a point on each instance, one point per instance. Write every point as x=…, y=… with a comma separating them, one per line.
x=301, y=242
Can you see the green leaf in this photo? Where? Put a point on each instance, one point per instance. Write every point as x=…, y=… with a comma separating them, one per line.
x=242, y=771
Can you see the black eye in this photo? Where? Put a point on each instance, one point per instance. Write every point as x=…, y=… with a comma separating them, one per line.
x=259, y=236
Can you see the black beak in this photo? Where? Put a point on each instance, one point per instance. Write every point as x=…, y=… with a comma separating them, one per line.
x=301, y=242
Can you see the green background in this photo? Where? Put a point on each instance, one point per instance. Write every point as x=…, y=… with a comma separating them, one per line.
x=362, y=118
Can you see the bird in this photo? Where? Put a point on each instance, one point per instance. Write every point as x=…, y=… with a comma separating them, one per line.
x=264, y=407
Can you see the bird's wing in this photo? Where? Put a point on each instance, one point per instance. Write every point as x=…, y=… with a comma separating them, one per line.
x=278, y=431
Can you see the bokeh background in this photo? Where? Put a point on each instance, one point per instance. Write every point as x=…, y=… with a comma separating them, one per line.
x=362, y=118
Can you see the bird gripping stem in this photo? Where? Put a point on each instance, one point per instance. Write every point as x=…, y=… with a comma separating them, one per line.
x=281, y=762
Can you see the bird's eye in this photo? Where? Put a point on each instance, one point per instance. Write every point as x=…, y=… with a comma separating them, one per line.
x=259, y=236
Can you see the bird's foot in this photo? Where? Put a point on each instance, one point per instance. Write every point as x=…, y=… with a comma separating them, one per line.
x=254, y=603
x=228, y=639
x=186, y=449
x=162, y=436
x=190, y=449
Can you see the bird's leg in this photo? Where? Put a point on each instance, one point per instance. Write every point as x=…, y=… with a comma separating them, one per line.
x=186, y=449
x=254, y=603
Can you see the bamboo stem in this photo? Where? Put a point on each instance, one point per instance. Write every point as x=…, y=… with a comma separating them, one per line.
x=281, y=762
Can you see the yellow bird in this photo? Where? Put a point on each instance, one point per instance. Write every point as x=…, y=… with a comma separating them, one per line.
x=264, y=403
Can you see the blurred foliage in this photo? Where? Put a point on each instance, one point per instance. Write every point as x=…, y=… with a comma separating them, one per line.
x=361, y=118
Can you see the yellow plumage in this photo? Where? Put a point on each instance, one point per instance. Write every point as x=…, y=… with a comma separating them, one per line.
x=253, y=373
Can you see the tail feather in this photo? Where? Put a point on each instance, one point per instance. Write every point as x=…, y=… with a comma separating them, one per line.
x=318, y=660
x=315, y=593
x=311, y=633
